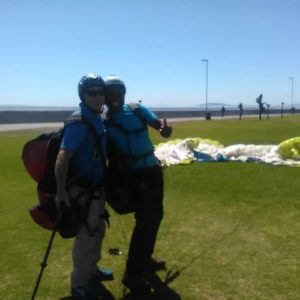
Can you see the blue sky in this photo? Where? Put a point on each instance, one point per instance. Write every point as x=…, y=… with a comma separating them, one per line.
x=156, y=46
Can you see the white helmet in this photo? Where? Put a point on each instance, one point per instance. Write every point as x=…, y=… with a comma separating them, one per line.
x=114, y=80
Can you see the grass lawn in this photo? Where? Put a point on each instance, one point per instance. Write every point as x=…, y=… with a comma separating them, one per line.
x=230, y=230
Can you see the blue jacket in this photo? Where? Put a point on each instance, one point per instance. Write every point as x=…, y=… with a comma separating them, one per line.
x=89, y=149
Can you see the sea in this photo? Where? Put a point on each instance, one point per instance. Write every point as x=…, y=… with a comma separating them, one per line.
x=210, y=107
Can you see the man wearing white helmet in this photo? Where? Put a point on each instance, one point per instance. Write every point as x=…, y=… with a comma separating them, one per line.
x=127, y=134
x=84, y=148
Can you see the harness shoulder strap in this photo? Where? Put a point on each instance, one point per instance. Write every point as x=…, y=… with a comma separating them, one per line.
x=136, y=109
x=74, y=118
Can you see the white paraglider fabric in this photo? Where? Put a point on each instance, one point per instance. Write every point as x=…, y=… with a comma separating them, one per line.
x=204, y=150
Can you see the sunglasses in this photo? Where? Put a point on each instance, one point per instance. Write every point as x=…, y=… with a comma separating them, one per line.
x=94, y=93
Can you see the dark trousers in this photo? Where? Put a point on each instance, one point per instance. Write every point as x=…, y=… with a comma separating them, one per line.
x=148, y=184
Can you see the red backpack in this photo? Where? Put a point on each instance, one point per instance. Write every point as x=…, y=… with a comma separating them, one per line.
x=39, y=158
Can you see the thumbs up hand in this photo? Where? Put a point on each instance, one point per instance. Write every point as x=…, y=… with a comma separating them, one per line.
x=165, y=130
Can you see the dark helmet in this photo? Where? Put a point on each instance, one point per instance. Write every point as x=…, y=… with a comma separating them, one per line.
x=87, y=81
x=113, y=80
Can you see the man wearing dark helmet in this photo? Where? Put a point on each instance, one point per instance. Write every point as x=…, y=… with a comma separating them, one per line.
x=84, y=144
x=127, y=135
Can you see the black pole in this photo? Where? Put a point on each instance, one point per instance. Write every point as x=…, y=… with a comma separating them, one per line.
x=43, y=264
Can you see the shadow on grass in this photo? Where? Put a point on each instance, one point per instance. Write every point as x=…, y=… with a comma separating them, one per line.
x=107, y=294
x=161, y=290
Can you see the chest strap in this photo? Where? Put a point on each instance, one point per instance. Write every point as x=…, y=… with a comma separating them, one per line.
x=132, y=157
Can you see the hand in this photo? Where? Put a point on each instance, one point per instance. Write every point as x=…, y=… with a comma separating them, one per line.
x=62, y=199
x=165, y=130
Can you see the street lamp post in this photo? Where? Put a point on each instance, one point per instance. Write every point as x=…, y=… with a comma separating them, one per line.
x=205, y=60
x=292, y=92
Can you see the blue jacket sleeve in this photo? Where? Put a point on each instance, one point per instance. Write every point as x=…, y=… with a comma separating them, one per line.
x=74, y=134
x=148, y=114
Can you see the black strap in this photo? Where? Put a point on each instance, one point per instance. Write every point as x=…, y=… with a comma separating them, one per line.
x=98, y=141
x=84, y=211
x=137, y=156
x=127, y=131
x=104, y=216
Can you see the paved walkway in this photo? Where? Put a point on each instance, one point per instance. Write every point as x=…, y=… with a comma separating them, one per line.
x=27, y=126
x=53, y=126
